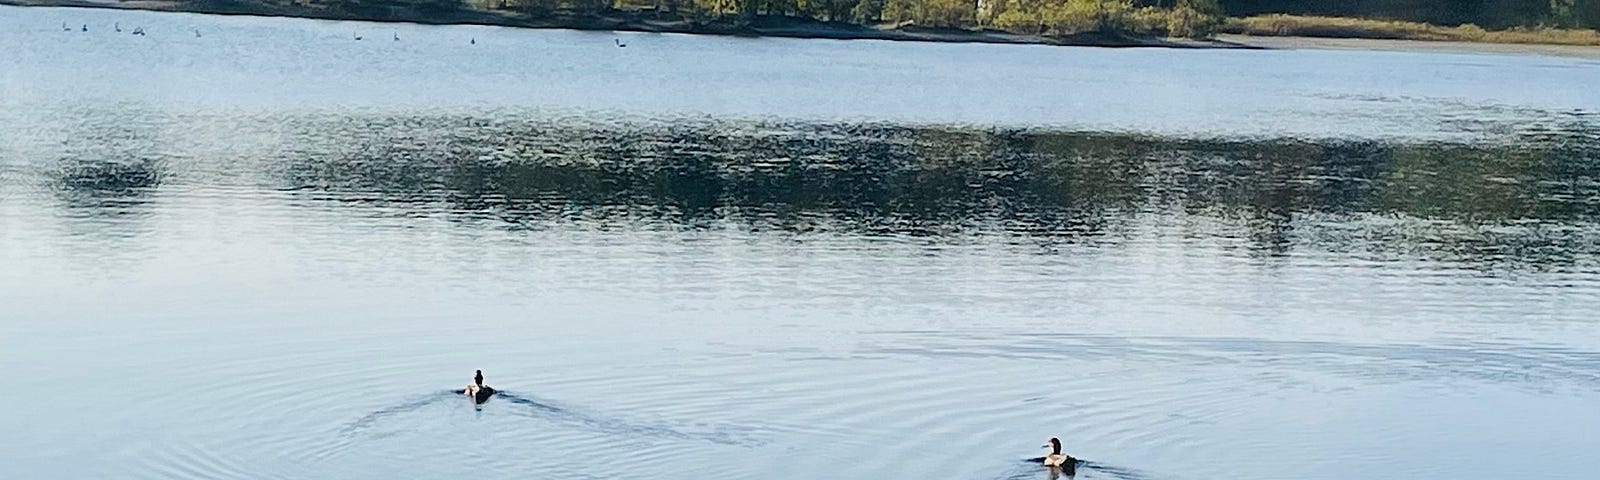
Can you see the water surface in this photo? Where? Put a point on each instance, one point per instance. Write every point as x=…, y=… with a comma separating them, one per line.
x=270, y=251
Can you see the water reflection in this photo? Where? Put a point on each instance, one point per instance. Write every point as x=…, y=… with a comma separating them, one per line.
x=103, y=166
x=114, y=187
x=1493, y=200
x=1516, y=201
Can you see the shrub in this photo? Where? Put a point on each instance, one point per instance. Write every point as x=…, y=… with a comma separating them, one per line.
x=1194, y=19
x=1149, y=21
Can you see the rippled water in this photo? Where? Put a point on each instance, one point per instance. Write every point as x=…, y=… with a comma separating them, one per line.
x=271, y=252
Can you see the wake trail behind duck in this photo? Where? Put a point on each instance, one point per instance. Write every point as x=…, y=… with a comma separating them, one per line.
x=1033, y=468
x=549, y=410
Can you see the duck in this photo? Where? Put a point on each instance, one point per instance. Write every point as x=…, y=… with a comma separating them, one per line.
x=196, y=33
x=396, y=36
x=476, y=390
x=85, y=27
x=619, y=43
x=138, y=31
x=117, y=27
x=1056, y=459
x=358, y=37
x=65, y=28
x=474, y=41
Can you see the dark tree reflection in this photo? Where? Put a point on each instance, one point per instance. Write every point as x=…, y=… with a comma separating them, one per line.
x=1051, y=186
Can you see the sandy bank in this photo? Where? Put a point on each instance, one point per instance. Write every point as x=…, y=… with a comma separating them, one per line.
x=1411, y=46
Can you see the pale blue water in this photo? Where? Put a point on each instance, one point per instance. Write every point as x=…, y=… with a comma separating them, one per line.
x=270, y=251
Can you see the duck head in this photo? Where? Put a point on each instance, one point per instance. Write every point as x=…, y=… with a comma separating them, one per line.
x=1054, y=445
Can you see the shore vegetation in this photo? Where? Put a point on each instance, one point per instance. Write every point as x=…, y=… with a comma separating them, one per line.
x=1338, y=27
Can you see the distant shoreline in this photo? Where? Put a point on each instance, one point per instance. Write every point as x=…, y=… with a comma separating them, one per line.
x=789, y=27
x=1381, y=45
x=636, y=21
x=1311, y=26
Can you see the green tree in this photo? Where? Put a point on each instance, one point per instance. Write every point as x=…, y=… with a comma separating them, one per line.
x=1565, y=13
x=590, y=6
x=535, y=7
x=867, y=11
x=1075, y=16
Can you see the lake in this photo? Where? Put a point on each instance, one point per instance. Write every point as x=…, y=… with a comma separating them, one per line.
x=260, y=248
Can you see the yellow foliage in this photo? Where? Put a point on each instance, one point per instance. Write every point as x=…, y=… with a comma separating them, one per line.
x=1339, y=27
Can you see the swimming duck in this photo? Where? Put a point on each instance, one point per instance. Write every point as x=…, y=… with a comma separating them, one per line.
x=1056, y=459
x=477, y=390
x=619, y=43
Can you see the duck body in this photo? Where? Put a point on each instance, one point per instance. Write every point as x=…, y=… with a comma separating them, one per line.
x=477, y=390
x=479, y=393
x=1058, y=460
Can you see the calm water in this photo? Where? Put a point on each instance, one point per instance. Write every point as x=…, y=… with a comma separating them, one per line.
x=269, y=252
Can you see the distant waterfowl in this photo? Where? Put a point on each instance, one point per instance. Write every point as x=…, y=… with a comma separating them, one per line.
x=196, y=33
x=65, y=28
x=474, y=41
x=1056, y=459
x=85, y=27
x=619, y=43
x=358, y=37
x=138, y=31
x=117, y=26
x=396, y=36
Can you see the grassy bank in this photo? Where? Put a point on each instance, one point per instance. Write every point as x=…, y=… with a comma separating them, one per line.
x=1339, y=27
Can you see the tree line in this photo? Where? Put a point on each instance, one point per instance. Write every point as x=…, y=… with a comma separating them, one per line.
x=1177, y=18
x=1183, y=18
